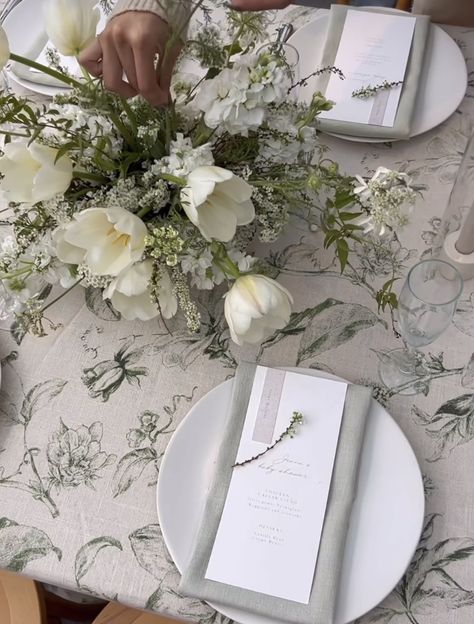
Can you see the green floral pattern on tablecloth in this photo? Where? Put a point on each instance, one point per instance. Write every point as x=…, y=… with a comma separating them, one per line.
x=86, y=413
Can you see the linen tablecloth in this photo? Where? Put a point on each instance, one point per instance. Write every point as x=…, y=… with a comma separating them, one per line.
x=87, y=412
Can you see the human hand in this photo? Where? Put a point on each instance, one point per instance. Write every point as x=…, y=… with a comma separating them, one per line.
x=258, y=5
x=128, y=45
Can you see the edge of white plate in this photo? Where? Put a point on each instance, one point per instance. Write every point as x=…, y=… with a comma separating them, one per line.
x=224, y=609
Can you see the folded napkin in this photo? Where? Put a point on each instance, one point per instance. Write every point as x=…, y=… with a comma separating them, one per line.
x=37, y=45
x=406, y=105
x=322, y=605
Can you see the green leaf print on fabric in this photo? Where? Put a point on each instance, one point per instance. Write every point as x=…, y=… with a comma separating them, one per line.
x=34, y=400
x=429, y=587
x=130, y=468
x=87, y=555
x=450, y=426
x=101, y=308
x=325, y=327
x=21, y=544
x=151, y=554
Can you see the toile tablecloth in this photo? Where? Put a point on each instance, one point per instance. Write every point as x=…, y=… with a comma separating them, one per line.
x=87, y=412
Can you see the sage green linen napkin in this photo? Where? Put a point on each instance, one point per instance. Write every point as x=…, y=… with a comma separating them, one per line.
x=322, y=605
x=406, y=105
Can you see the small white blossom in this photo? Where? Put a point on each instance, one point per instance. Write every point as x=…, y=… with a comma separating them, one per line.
x=184, y=158
x=388, y=198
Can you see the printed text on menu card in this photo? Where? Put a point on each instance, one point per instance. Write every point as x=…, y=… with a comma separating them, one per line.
x=270, y=530
x=374, y=47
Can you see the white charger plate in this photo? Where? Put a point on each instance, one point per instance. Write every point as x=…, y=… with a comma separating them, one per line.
x=444, y=73
x=386, y=520
x=22, y=25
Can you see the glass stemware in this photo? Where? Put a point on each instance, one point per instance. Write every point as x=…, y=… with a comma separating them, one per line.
x=426, y=306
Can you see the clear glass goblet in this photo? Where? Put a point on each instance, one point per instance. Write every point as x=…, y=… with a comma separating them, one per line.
x=287, y=59
x=426, y=306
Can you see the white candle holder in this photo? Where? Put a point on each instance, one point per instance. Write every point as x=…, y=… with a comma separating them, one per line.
x=463, y=262
x=457, y=230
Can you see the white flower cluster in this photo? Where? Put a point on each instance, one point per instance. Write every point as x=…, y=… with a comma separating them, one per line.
x=183, y=158
x=237, y=98
x=147, y=203
x=388, y=198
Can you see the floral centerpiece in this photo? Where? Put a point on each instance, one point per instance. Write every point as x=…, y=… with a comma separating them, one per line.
x=148, y=204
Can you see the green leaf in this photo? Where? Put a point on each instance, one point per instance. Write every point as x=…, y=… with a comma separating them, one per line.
x=380, y=615
x=150, y=550
x=334, y=324
x=101, y=308
x=87, y=555
x=40, y=396
x=130, y=468
x=21, y=544
x=451, y=426
x=431, y=563
x=342, y=253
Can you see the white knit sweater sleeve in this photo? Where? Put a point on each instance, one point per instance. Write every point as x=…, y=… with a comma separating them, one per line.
x=175, y=12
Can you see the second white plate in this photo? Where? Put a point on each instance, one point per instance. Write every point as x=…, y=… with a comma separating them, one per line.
x=444, y=72
x=386, y=520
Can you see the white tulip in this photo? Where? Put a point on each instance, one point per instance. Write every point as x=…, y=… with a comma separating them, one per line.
x=106, y=240
x=71, y=24
x=255, y=307
x=130, y=294
x=31, y=172
x=4, y=48
x=216, y=201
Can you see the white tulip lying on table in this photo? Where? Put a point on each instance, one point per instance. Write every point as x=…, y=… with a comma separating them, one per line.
x=150, y=205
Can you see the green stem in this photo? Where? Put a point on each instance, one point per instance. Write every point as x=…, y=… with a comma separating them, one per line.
x=66, y=292
x=93, y=177
x=7, y=276
x=44, y=69
x=222, y=260
x=174, y=179
x=144, y=211
x=425, y=378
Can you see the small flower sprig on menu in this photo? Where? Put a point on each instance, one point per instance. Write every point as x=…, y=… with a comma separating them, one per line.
x=150, y=206
x=367, y=92
x=290, y=432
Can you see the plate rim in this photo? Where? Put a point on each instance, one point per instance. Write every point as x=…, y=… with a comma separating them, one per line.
x=314, y=372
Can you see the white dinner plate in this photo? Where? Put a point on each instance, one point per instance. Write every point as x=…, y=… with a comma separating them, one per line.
x=23, y=25
x=444, y=72
x=386, y=520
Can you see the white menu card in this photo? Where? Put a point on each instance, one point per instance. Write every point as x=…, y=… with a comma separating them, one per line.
x=374, y=48
x=270, y=530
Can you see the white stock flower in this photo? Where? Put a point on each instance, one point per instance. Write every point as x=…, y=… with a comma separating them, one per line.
x=223, y=101
x=31, y=173
x=106, y=240
x=255, y=307
x=216, y=201
x=130, y=294
x=71, y=24
x=4, y=48
x=184, y=157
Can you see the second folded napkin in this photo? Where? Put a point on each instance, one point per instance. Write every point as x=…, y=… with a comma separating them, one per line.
x=406, y=106
x=322, y=603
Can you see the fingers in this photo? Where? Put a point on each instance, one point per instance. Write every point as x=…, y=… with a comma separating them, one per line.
x=166, y=66
x=258, y=5
x=112, y=70
x=147, y=79
x=91, y=58
x=129, y=45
